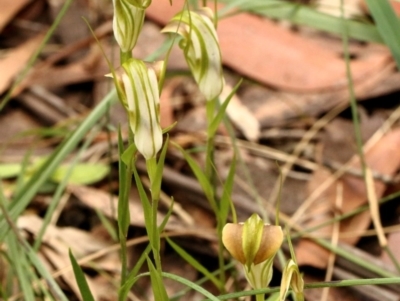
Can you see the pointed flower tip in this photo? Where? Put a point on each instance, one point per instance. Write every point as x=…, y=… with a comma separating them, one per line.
x=292, y=278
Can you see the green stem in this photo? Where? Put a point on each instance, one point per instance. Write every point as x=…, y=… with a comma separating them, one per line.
x=151, y=165
x=123, y=215
x=125, y=178
x=260, y=297
x=210, y=173
x=124, y=56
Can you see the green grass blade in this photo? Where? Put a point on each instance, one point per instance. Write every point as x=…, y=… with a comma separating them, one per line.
x=147, y=210
x=29, y=190
x=388, y=25
x=19, y=264
x=157, y=284
x=306, y=15
x=221, y=112
x=192, y=285
x=23, y=171
x=44, y=273
x=125, y=181
x=80, y=279
x=132, y=277
x=156, y=184
x=226, y=201
x=58, y=193
x=201, y=177
x=194, y=263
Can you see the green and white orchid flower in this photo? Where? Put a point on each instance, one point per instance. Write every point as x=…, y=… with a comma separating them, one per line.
x=139, y=93
x=201, y=48
x=128, y=21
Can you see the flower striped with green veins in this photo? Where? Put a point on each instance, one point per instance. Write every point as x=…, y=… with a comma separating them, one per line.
x=128, y=21
x=254, y=244
x=137, y=85
x=201, y=48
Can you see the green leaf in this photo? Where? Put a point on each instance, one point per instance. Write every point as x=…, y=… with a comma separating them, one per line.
x=124, y=190
x=80, y=279
x=192, y=285
x=306, y=15
x=9, y=170
x=226, y=201
x=30, y=188
x=156, y=184
x=132, y=277
x=388, y=25
x=221, y=113
x=194, y=263
x=128, y=154
x=156, y=283
x=19, y=264
x=201, y=177
x=43, y=272
x=82, y=174
x=147, y=207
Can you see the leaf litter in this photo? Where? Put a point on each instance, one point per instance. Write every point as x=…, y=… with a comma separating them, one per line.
x=294, y=77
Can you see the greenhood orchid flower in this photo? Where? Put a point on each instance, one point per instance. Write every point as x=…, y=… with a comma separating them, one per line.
x=128, y=21
x=201, y=48
x=137, y=83
x=292, y=277
x=254, y=244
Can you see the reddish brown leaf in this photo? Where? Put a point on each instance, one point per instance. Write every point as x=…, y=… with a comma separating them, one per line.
x=9, y=8
x=354, y=196
x=16, y=59
x=276, y=56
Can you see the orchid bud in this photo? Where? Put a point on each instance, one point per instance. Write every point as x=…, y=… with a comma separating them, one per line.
x=201, y=48
x=254, y=244
x=128, y=21
x=292, y=277
x=138, y=85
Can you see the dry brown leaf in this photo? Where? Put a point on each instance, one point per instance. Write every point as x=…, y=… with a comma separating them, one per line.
x=57, y=242
x=393, y=245
x=9, y=8
x=51, y=77
x=240, y=115
x=354, y=196
x=100, y=200
x=281, y=58
x=15, y=60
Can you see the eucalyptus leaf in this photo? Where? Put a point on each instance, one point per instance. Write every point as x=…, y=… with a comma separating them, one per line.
x=82, y=174
x=9, y=170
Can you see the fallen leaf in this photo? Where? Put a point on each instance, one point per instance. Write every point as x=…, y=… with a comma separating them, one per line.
x=56, y=243
x=16, y=59
x=100, y=200
x=240, y=115
x=9, y=8
x=281, y=58
x=354, y=196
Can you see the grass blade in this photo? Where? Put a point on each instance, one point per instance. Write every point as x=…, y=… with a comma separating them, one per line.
x=29, y=190
x=80, y=279
x=306, y=15
x=388, y=25
x=194, y=263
